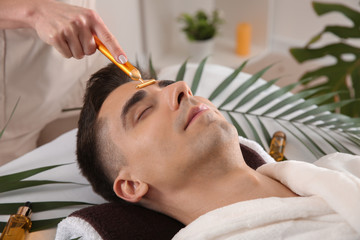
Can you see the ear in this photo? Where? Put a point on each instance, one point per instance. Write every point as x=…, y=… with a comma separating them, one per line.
x=130, y=190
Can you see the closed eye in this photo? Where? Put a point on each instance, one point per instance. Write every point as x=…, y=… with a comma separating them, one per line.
x=144, y=113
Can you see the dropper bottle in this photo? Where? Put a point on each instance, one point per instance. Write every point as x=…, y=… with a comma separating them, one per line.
x=19, y=224
x=277, y=146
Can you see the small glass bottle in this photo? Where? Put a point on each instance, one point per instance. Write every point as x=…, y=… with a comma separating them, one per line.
x=18, y=225
x=277, y=146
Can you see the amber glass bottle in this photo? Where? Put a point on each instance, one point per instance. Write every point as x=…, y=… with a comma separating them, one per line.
x=18, y=225
x=277, y=146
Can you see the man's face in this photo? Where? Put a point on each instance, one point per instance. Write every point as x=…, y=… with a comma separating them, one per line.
x=165, y=134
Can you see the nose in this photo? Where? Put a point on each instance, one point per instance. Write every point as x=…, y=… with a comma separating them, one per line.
x=176, y=93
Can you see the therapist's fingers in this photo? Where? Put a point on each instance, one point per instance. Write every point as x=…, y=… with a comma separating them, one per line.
x=110, y=42
x=70, y=30
x=66, y=27
x=61, y=45
x=87, y=42
x=83, y=26
x=72, y=38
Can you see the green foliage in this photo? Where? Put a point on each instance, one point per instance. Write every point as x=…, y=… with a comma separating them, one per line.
x=18, y=180
x=152, y=70
x=181, y=73
x=197, y=76
x=343, y=76
x=293, y=115
x=200, y=26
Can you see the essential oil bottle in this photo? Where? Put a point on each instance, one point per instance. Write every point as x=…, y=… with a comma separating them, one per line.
x=277, y=146
x=18, y=225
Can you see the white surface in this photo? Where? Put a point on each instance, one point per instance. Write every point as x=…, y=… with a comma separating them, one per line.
x=295, y=23
x=123, y=19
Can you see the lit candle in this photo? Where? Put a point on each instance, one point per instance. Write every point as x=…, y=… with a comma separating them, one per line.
x=243, y=39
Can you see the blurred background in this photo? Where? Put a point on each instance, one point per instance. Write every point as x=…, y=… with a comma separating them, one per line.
x=145, y=27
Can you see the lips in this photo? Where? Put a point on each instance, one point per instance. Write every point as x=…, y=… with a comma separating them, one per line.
x=194, y=112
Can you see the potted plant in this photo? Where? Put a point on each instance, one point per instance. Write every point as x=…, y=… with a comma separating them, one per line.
x=200, y=30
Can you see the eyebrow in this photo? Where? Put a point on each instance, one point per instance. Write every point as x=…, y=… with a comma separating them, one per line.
x=138, y=97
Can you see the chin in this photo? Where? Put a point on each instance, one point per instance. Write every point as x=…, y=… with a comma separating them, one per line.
x=219, y=135
x=213, y=132
x=225, y=133
x=214, y=147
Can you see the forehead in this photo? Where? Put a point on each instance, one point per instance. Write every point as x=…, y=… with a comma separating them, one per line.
x=118, y=97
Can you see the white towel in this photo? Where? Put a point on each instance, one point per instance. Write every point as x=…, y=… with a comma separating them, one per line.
x=74, y=227
x=331, y=209
x=341, y=190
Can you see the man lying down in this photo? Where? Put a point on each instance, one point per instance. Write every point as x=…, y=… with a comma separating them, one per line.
x=172, y=152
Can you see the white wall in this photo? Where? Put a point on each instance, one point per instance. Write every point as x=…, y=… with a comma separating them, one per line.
x=123, y=19
x=257, y=13
x=277, y=24
x=295, y=23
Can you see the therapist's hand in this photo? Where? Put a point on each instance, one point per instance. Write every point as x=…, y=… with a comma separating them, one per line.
x=70, y=29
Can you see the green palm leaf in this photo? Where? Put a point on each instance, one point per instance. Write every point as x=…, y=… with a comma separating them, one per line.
x=39, y=225
x=180, y=75
x=251, y=95
x=254, y=132
x=264, y=131
x=303, y=141
x=227, y=81
x=16, y=181
x=237, y=126
x=11, y=208
x=321, y=109
x=151, y=69
x=352, y=138
x=300, y=120
x=11, y=186
x=244, y=86
x=274, y=95
x=327, y=117
x=310, y=140
x=25, y=174
x=337, y=145
x=309, y=102
x=197, y=77
x=292, y=99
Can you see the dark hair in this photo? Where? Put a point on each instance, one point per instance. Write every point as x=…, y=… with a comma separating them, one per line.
x=91, y=143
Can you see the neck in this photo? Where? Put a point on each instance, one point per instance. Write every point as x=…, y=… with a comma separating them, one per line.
x=241, y=184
